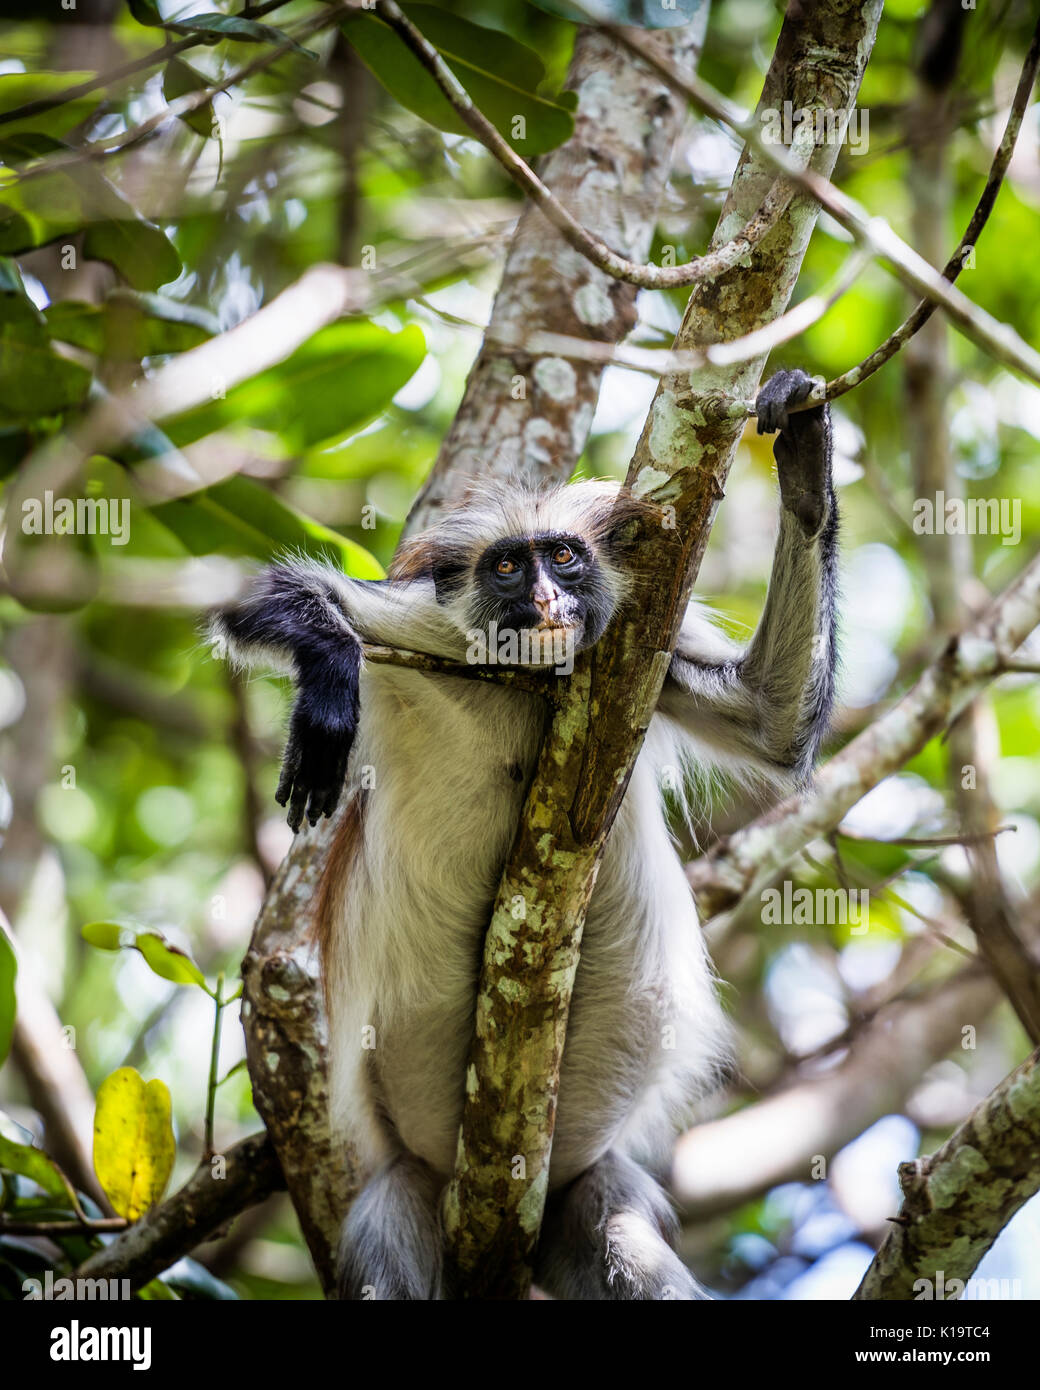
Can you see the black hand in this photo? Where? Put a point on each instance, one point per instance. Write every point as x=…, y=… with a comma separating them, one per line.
x=321, y=733
x=802, y=449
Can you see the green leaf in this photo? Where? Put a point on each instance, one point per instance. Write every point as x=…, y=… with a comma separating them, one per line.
x=133, y=1141
x=337, y=381
x=10, y=277
x=30, y=1162
x=178, y=80
x=139, y=250
x=230, y=26
x=241, y=517
x=217, y=26
x=168, y=961
x=34, y=380
x=146, y=12
x=20, y=147
x=165, y=960
x=20, y=88
x=17, y=233
x=155, y=1291
x=130, y=325
x=15, y=444
x=74, y=321
x=499, y=73
x=641, y=14
x=62, y=202
x=106, y=936
x=8, y=971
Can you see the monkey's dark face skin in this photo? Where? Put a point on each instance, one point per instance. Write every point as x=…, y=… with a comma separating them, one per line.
x=548, y=582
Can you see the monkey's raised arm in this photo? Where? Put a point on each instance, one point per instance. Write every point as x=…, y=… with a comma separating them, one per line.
x=769, y=705
x=310, y=619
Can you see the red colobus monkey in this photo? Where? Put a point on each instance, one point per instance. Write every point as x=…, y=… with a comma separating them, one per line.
x=418, y=856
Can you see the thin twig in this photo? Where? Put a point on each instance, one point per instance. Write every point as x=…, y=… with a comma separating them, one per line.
x=181, y=106
x=87, y=1226
x=926, y=842
x=873, y=233
x=664, y=361
x=214, y=1064
x=108, y=79
x=594, y=249
x=533, y=679
x=926, y=308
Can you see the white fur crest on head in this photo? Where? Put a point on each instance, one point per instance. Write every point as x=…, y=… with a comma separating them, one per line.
x=496, y=509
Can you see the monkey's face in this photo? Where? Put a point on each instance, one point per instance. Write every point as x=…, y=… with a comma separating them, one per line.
x=550, y=586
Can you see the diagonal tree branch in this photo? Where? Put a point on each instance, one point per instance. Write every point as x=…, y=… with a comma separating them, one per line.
x=665, y=361
x=203, y=1205
x=959, y=1199
x=948, y=559
x=525, y=412
x=747, y=860
x=595, y=250
x=872, y=233
x=925, y=308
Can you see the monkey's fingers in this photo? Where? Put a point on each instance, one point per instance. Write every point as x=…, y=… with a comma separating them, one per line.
x=326, y=790
x=290, y=770
x=781, y=391
x=297, y=806
x=332, y=795
x=291, y=763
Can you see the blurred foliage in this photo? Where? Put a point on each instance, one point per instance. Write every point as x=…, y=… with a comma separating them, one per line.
x=149, y=771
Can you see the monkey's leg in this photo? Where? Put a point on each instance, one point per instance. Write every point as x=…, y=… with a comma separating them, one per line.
x=610, y=1235
x=390, y=1247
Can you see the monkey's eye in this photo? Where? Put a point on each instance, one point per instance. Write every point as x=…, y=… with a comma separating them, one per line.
x=505, y=567
x=563, y=555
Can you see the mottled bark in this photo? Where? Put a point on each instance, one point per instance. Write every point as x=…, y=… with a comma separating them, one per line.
x=957, y=1201
x=612, y=172
x=283, y=1016
x=679, y=468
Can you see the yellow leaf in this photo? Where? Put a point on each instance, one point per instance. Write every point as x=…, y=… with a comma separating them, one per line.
x=133, y=1141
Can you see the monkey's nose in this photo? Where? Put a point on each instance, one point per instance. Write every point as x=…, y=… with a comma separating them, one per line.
x=545, y=597
x=547, y=604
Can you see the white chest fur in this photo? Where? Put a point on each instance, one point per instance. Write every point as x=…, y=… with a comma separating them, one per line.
x=446, y=763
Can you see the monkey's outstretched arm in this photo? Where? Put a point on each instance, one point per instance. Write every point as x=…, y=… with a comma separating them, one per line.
x=769, y=705
x=311, y=619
